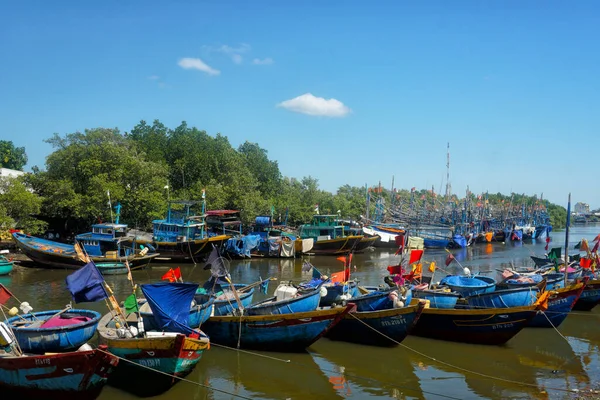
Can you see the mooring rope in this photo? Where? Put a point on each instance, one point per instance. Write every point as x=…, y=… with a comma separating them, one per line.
x=461, y=368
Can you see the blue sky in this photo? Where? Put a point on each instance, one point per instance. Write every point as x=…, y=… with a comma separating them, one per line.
x=346, y=91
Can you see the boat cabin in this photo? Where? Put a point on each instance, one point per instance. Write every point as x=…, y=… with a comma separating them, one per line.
x=224, y=222
x=322, y=227
x=104, y=238
x=181, y=224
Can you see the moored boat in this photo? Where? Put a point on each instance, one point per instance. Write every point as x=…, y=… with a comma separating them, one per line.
x=287, y=300
x=6, y=265
x=489, y=326
x=590, y=297
x=469, y=285
x=505, y=298
x=280, y=332
x=560, y=303
x=76, y=375
x=385, y=327
x=328, y=236
x=54, y=331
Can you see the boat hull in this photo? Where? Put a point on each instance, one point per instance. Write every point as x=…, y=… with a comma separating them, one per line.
x=287, y=332
x=55, y=339
x=590, y=297
x=48, y=254
x=487, y=326
x=438, y=299
x=6, y=268
x=507, y=298
x=366, y=242
x=189, y=250
x=559, y=306
x=335, y=246
x=67, y=376
x=369, y=327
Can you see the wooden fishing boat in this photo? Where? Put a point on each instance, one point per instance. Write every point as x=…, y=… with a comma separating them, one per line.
x=224, y=302
x=50, y=254
x=183, y=234
x=560, y=303
x=199, y=314
x=6, y=265
x=151, y=361
x=77, y=375
x=112, y=268
x=290, y=332
x=590, y=297
x=553, y=280
x=491, y=326
x=287, y=300
x=369, y=327
x=505, y=298
x=365, y=243
x=469, y=285
x=376, y=298
x=328, y=236
x=55, y=330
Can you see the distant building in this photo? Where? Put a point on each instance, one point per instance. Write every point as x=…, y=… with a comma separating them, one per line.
x=12, y=173
x=582, y=208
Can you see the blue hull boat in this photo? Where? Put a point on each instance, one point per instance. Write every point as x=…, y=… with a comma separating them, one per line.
x=224, y=303
x=590, y=297
x=77, y=375
x=459, y=241
x=506, y=298
x=338, y=292
x=369, y=327
x=380, y=299
x=199, y=314
x=438, y=298
x=302, y=303
x=283, y=332
x=469, y=286
x=559, y=306
x=54, y=331
x=435, y=243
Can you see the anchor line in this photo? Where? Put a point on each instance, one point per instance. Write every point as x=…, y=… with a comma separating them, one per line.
x=460, y=368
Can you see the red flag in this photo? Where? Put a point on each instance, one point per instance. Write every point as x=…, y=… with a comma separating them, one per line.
x=546, y=247
x=596, y=239
x=585, y=262
x=169, y=276
x=5, y=294
x=400, y=243
x=342, y=259
x=342, y=276
x=449, y=259
x=595, y=249
x=177, y=273
x=415, y=255
x=394, y=269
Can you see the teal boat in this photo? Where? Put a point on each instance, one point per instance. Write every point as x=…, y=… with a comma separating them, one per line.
x=6, y=265
x=112, y=268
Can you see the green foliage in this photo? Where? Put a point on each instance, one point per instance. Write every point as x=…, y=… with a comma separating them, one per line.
x=558, y=216
x=18, y=205
x=86, y=166
x=12, y=157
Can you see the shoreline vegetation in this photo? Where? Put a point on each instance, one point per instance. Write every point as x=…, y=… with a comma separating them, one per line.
x=145, y=167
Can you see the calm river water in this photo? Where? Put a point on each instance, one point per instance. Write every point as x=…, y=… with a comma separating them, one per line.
x=545, y=363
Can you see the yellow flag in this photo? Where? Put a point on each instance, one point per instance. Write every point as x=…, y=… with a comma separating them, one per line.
x=432, y=267
x=418, y=269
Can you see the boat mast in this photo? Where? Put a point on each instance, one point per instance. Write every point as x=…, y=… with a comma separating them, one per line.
x=567, y=239
x=448, y=186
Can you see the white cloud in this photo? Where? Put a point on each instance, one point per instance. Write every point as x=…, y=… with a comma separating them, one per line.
x=235, y=53
x=264, y=61
x=236, y=58
x=196, y=63
x=154, y=77
x=318, y=106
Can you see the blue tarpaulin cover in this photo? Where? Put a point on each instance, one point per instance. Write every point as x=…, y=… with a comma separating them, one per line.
x=170, y=304
x=86, y=284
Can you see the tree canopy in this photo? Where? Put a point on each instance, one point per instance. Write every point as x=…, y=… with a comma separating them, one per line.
x=12, y=157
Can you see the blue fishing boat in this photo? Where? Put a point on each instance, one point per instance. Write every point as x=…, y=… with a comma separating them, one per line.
x=438, y=298
x=199, y=314
x=54, y=331
x=433, y=243
x=460, y=241
x=183, y=234
x=469, y=285
x=560, y=303
x=384, y=327
x=224, y=300
x=490, y=326
x=274, y=241
x=6, y=265
x=590, y=297
x=376, y=298
x=553, y=281
x=505, y=298
x=76, y=375
x=290, y=332
x=154, y=361
x=287, y=300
